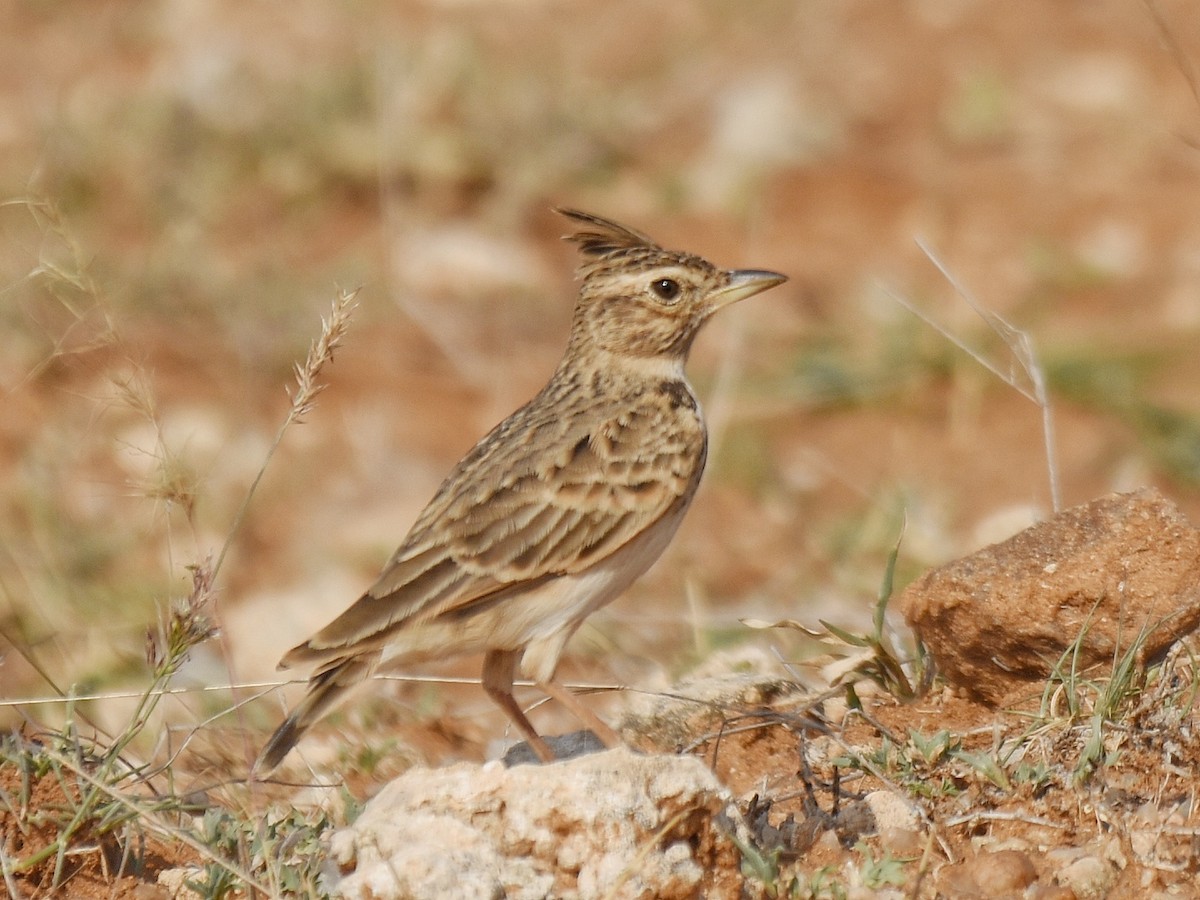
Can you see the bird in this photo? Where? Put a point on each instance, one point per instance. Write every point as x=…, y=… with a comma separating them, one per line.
x=558, y=509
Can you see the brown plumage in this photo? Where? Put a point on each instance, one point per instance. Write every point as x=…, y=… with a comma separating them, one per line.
x=556, y=511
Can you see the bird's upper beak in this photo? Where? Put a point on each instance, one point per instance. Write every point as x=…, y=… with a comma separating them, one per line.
x=744, y=283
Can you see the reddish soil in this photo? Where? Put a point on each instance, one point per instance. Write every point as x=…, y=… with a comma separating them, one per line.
x=123, y=862
x=211, y=171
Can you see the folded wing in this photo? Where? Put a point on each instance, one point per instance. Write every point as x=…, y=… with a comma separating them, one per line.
x=506, y=519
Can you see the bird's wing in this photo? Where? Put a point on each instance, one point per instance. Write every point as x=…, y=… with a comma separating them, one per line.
x=543, y=495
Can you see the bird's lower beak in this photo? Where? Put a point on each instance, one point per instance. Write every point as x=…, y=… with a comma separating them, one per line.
x=744, y=283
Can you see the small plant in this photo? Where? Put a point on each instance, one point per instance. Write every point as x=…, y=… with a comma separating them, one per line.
x=914, y=766
x=934, y=749
x=987, y=766
x=764, y=867
x=873, y=655
x=65, y=796
x=285, y=848
x=821, y=885
x=760, y=864
x=89, y=779
x=881, y=872
x=1068, y=694
x=1039, y=776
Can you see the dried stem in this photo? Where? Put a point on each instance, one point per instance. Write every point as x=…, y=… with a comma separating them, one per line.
x=308, y=387
x=1021, y=346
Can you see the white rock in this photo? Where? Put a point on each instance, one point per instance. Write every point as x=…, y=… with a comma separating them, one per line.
x=174, y=882
x=422, y=855
x=611, y=824
x=891, y=810
x=1087, y=877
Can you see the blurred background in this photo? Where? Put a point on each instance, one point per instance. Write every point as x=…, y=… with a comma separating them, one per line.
x=186, y=185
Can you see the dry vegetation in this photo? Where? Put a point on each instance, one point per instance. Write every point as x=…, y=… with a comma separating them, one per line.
x=184, y=188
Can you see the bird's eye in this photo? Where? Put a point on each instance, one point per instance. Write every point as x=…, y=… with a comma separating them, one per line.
x=665, y=288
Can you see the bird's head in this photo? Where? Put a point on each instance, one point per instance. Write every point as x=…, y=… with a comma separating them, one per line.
x=638, y=299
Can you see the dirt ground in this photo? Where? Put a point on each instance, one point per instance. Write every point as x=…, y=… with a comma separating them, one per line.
x=186, y=185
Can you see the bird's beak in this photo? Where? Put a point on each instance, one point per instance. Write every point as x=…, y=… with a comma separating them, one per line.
x=744, y=283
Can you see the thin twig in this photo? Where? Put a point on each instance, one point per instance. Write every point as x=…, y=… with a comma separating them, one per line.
x=975, y=355
x=895, y=788
x=284, y=682
x=1175, y=49
x=6, y=869
x=999, y=816
x=147, y=820
x=1019, y=343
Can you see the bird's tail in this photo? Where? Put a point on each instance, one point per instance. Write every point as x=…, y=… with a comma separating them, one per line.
x=327, y=688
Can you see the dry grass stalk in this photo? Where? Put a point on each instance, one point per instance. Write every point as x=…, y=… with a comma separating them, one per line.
x=333, y=329
x=308, y=387
x=1019, y=343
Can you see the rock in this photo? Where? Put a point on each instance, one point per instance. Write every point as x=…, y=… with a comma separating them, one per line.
x=1005, y=870
x=612, y=824
x=1088, y=877
x=1049, y=892
x=424, y=855
x=896, y=821
x=1003, y=873
x=563, y=746
x=890, y=810
x=175, y=882
x=863, y=892
x=1002, y=617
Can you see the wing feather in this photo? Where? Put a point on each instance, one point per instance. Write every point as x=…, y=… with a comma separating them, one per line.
x=534, y=499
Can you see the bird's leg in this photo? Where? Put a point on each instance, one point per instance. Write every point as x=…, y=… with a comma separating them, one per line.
x=580, y=711
x=498, y=668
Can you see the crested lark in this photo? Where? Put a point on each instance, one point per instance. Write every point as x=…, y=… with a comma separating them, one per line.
x=560, y=508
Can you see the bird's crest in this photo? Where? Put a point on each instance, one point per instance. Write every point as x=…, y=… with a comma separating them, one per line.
x=600, y=237
x=606, y=244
